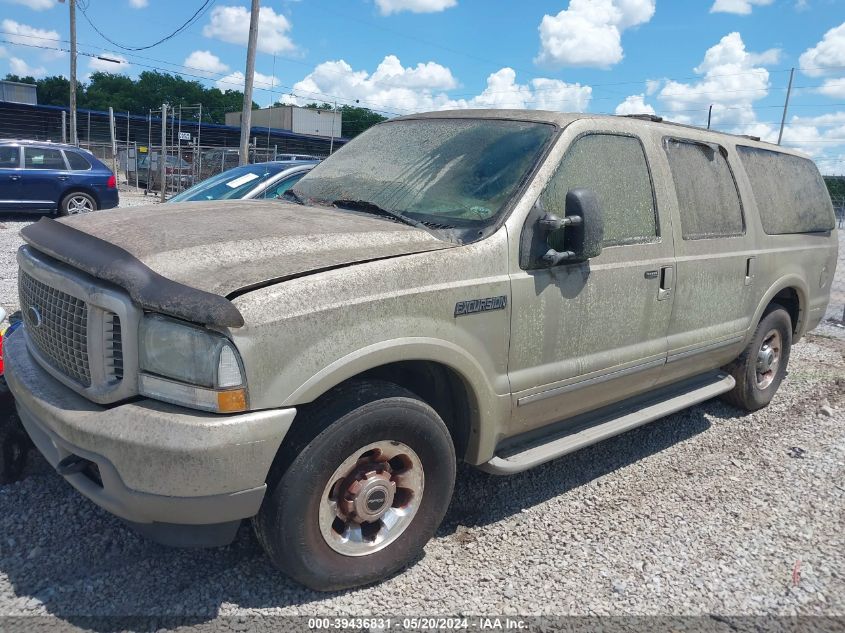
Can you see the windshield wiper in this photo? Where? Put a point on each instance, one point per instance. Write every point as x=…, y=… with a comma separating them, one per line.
x=291, y=195
x=371, y=207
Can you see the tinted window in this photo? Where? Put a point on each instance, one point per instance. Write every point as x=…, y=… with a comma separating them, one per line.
x=37, y=158
x=9, y=157
x=707, y=195
x=77, y=162
x=791, y=195
x=615, y=168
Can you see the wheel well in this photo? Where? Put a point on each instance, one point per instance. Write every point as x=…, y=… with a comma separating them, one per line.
x=439, y=386
x=78, y=189
x=789, y=299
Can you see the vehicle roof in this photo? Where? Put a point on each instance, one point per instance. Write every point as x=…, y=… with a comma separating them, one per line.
x=563, y=119
x=17, y=141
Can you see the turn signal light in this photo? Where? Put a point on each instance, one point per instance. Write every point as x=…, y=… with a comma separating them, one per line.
x=231, y=401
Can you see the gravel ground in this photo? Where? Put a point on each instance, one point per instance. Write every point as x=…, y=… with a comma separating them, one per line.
x=705, y=511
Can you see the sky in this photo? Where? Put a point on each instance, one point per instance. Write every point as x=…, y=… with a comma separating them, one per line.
x=674, y=58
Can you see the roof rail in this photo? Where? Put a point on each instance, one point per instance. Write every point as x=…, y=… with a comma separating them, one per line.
x=646, y=117
x=749, y=137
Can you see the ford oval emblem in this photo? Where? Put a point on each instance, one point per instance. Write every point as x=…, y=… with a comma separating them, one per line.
x=35, y=316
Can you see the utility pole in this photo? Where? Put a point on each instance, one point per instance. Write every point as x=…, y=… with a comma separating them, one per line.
x=72, y=5
x=786, y=104
x=246, y=114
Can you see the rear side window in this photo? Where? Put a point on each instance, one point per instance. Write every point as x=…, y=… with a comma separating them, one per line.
x=37, y=158
x=615, y=168
x=791, y=194
x=707, y=195
x=9, y=157
x=77, y=162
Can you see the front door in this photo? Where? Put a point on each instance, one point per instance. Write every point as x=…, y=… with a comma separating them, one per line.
x=10, y=177
x=586, y=334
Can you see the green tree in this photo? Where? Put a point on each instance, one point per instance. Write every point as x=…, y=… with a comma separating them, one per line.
x=356, y=120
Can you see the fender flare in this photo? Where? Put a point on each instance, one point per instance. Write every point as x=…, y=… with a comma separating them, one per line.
x=787, y=281
x=485, y=404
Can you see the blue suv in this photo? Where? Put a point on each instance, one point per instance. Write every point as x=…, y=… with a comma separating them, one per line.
x=43, y=176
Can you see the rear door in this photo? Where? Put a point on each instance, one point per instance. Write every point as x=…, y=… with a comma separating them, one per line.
x=43, y=178
x=587, y=334
x=714, y=249
x=10, y=177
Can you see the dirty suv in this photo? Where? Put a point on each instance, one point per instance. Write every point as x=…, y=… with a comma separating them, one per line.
x=497, y=287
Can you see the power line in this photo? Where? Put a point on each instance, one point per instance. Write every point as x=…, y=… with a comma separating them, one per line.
x=194, y=18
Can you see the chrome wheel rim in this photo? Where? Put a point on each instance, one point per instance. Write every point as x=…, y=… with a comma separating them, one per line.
x=79, y=204
x=768, y=359
x=371, y=498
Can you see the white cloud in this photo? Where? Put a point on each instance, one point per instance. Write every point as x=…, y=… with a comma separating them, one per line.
x=138, y=4
x=395, y=89
x=635, y=104
x=18, y=33
x=231, y=24
x=827, y=59
x=104, y=66
x=589, y=32
x=738, y=7
x=235, y=81
x=652, y=86
x=19, y=67
x=733, y=79
x=834, y=88
x=36, y=5
x=386, y=7
x=205, y=63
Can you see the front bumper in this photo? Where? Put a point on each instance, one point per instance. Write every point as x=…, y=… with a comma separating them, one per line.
x=183, y=477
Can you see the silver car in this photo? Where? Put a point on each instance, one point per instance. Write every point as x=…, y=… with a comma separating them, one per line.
x=260, y=180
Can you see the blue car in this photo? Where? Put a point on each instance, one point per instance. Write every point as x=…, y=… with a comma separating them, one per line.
x=63, y=179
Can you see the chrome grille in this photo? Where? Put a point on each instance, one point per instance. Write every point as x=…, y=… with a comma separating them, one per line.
x=57, y=325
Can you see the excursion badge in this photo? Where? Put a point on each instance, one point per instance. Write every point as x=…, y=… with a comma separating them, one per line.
x=473, y=306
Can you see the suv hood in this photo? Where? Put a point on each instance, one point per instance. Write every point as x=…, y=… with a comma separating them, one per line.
x=189, y=259
x=224, y=247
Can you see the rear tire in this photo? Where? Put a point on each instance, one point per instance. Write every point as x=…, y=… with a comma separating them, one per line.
x=761, y=367
x=333, y=470
x=77, y=202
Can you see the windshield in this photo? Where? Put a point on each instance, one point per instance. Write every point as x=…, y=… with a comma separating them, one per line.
x=230, y=185
x=445, y=173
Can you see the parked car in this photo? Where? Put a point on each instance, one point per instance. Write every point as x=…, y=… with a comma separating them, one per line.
x=261, y=180
x=43, y=176
x=178, y=172
x=215, y=161
x=497, y=287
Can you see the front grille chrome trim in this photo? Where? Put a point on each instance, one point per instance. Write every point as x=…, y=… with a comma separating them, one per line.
x=113, y=368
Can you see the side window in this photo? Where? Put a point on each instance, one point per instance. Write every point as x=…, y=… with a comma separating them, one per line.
x=77, y=161
x=10, y=157
x=38, y=158
x=615, y=168
x=279, y=189
x=707, y=194
x=790, y=193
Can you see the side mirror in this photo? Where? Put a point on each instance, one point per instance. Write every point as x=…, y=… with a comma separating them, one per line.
x=581, y=230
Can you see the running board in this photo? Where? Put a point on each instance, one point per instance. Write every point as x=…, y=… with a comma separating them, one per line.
x=594, y=430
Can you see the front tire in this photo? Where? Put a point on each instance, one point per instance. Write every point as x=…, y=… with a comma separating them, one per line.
x=761, y=367
x=76, y=203
x=361, y=499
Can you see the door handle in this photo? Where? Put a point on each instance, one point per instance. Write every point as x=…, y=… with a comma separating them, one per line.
x=667, y=280
x=14, y=177
x=63, y=177
x=750, y=270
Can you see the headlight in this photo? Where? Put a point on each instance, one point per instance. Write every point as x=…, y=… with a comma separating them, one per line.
x=190, y=365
